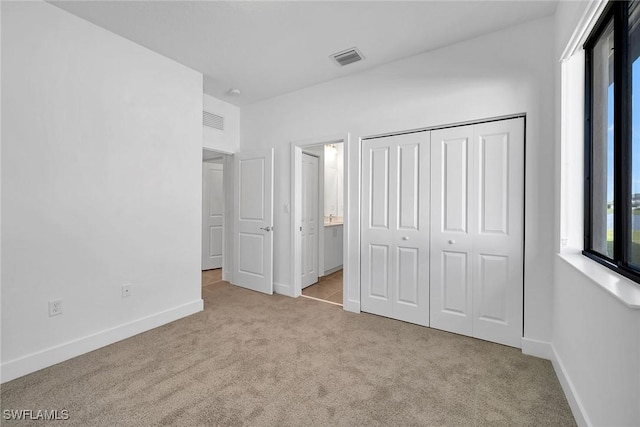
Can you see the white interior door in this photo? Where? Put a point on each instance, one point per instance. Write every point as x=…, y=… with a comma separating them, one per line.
x=395, y=227
x=309, y=223
x=253, y=221
x=212, y=215
x=477, y=187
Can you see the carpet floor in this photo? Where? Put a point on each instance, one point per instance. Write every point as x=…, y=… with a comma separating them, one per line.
x=253, y=359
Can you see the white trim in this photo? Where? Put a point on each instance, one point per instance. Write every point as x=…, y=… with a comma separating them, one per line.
x=296, y=208
x=446, y=126
x=621, y=288
x=282, y=289
x=351, y=305
x=586, y=23
x=537, y=348
x=324, y=140
x=349, y=264
x=42, y=359
x=227, y=254
x=577, y=408
x=332, y=270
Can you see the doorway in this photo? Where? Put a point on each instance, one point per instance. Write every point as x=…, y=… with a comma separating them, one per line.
x=213, y=217
x=318, y=213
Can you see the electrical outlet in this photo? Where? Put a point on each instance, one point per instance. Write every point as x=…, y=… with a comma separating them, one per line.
x=55, y=307
x=126, y=290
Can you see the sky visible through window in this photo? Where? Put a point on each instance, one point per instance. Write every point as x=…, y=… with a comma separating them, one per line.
x=610, y=143
x=635, y=132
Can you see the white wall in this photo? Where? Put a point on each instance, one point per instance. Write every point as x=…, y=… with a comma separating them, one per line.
x=506, y=72
x=334, y=180
x=101, y=185
x=595, y=336
x=227, y=140
x=596, y=343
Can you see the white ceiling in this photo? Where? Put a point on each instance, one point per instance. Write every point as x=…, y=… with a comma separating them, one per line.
x=267, y=48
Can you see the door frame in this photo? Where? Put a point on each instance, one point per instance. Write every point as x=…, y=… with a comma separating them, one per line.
x=296, y=208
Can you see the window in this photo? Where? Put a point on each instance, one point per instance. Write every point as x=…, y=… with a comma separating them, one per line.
x=612, y=138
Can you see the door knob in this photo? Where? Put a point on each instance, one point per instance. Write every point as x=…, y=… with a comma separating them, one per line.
x=267, y=228
x=451, y=242
x=405, y=238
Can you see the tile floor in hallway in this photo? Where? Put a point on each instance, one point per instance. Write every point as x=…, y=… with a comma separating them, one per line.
x=211, y=280
x=328, y=288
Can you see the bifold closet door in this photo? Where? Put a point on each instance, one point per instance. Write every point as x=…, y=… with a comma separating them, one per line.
x=451, y=230
x=395, y=227
x=477, y=187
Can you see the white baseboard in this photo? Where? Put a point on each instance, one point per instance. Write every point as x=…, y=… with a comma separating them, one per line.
x=537, y=348
x=34, y=362
x=546, y=350
x=569, y=391
x=227, y=277
x=352, y=306
x=332, y=270
x=281, y=289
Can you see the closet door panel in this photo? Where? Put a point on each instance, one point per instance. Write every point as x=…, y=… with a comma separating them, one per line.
x=455, y=295
x=492, y=287
x=411, y=234
x=378, y=190
x=394, y=227
x=407, y=276
x=379, y=262
x=453, y=196
x=378, y=197
x=493, y=180
x=409, y=186
x=498, y=245
x=451, y=242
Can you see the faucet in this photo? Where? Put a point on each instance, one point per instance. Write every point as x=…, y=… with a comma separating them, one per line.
x=330, y=217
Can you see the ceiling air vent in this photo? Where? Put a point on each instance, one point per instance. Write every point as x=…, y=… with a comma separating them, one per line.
x=347, y=56
x=212, y=120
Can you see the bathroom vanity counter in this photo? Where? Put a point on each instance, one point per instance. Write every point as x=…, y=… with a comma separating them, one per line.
x=332, y=246
x=336, y=220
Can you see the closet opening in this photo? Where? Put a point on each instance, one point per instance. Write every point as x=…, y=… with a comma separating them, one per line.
x=442, y=228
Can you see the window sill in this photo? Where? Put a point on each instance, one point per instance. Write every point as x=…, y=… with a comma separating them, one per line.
x=625, y=290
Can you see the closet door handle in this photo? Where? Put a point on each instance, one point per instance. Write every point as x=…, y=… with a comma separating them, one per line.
x=268, y=228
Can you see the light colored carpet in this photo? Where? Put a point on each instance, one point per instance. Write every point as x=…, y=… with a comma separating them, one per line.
x=253, y=359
